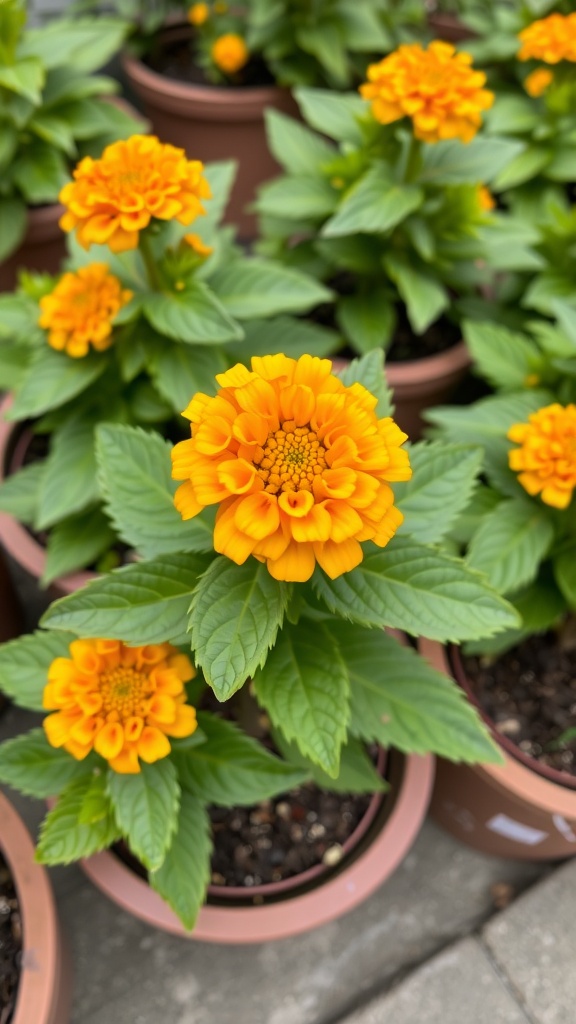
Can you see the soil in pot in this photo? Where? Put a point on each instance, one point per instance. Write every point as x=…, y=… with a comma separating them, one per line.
x=175, y=59
x=10, y=944
x=529, y=693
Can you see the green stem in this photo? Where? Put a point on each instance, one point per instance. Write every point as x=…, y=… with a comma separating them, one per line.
x=152, y=269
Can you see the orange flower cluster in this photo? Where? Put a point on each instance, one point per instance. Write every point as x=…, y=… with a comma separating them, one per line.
x=437, y=88
x=114, y=198
x=198, y=14
x=80, y=310
x=123, y=702
x=546, y=460
x=538, y=81
x=230, y=53
x=551, y=39
x=486, y=199
x=299, y=463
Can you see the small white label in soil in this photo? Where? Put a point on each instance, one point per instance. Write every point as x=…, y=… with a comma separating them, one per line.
x=515, y=830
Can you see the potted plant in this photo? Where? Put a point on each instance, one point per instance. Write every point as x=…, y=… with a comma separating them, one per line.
x=53, y=111
x=519, y=530
x=284, y=616
x=35, y=970
x=205, y=85
x=126, y=334
x=393, y=211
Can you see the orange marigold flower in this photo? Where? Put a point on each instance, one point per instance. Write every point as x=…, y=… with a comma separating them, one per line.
x=538, y=81
x=230, y=53
x=437, y=88
x=551, y=39
x=115, y=197
x=80, y=310
x=123, y=702
x=196, y=243
x=486, y=199
x=198, y=14
x=299, y=463
x=546, y=460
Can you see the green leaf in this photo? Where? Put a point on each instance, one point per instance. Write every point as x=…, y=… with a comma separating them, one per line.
x=420, y=590
x=424, y=297
x=185, y=873
x=357, y=774
x=233, y=769
x=65, y=837
x=29, y=764
x=398, y=700
x=334, y=114
x=540, y=606
x=20, y=492
x=366, y=320
x=443, y=480
x=79, y=44
x=504, y=358
x=138, y=490
x=69, y=479
x=25, y=77
x=512, y=115
x=52, y=380
x=451, y=163
x=145, y=603
x=511, y=543
x=40, y=171
x=146, y=806
x=525, y=166
x=18, y=315
x=179, y=371
x=13, y=221
x=195, y=316
x=297, y=198
x=304, y=688
x=54, y=130
x=235, y=615
x=483, y=501
x=325, y=41
x=24, y=665
x=369, y=371
x=373, y=204
x=565, y=573
x=76, y=543
x=298, y=150
x=254, y=288
x=285, y=334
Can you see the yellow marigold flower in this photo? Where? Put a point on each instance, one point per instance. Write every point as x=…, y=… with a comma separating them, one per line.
x=230, y=53
x=546, y=460
x=551, y=39
x=123, y=702
x=486, y=199
x=437, y=88
x=538, y=81
x=115, y=197
x=80, y=310
x=299, y=464
x=198, y=14
x=200, y=247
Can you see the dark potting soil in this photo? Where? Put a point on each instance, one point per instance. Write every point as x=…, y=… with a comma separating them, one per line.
x=176, y=60
x=10, y=944
x=406, y=345
x=530, y=695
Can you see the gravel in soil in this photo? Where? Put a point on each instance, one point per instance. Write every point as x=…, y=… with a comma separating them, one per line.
x=530, y=695
x=10, y=944
x=175, y=60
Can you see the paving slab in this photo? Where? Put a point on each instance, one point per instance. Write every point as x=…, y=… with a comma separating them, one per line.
x=534, y=945
x=460, y=984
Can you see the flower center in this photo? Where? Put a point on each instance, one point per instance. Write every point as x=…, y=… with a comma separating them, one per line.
x=292, y=457
x=123, y=690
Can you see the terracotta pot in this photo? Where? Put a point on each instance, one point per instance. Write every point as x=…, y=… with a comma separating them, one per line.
x=449, y=28
x=378, y=854
x=44, y=989
x=510, y=810
x=420, y=384
x=43, y=246
x=213, y=123
x=20, y=544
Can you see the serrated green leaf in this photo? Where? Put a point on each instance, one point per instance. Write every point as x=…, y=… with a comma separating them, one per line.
x=367, y=321
x=13, y=221
x=368, y=370
x=231, y=768
x=523, y=167
x=373, y=204
x=29, y=764
x=40, y=171
x=504, y=358
x=443, y=480
x=24, y=665
x=20, y=492
x=145, y=603
x=398, y=700
x=195, y=316
x=304, y=688
x=69, y=479
x=565, y=573
x=358, y=773
x=295, y=147
x=76, y=543
x=179, y=371
x=451, y=163
x=235, y=615
x=185, y=873
x=297, y=198
x=255, y=288
x=334, y=114
x=425, y=298
x=53, y=379
x=285, y=334
x=420, y=590
x=146, y=807
x=136, y=483
x=64, y=837
x=510, y=544
x=25, y=77
x=483, y=501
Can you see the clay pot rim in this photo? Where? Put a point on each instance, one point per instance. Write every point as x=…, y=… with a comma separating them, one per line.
x=513, y=776
x=17, y=540
x=560, y=778
x=292, y=916
x=43, y=991
x=429, y=368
